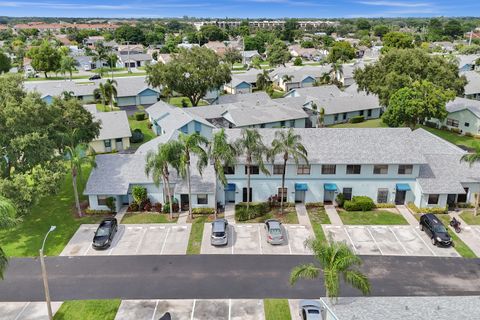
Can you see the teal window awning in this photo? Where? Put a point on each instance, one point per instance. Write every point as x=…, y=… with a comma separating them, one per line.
x=330, y=186
x=231, y=187
x=301, y=187
x=403, y=187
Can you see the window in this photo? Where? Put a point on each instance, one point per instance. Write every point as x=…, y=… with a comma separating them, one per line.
x=118, y=140
x=278, y=168
x=244, y=198
x=102, y=200
x=452, y=122
x=198, y=127
x=405, y=169
x=380, y=169
x=382, y=196
x=229, y=170
x=329, y=169
x=253, y=170
x=184, y=129
x=433, y=198
x=282, y=124
x=292, y=123
x=107, y=143
x=335, y=118
x=467, y=124
x=369, y=112
x=344, y=116
x=353, y=169
x=262, y=125
x=303, y=169
x=202, y=198
x=283, y=194
x=347, y=192
x=361, y=112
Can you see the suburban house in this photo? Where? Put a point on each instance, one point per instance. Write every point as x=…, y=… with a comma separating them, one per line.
x=114, y=131
x=134, y=60
x=131, y=91
x=124, y=49
x=472, y=89
x=249, y=98
x=307, y=53
x=87, y=63
x=463, y=114
x=290, y=78
x=466, y=62
x=248, y=55
x=164, y=58
x=389, y=165
x=217, y=46
x=242, y=83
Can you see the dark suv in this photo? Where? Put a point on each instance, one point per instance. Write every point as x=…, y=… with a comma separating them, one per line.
x=435, y=229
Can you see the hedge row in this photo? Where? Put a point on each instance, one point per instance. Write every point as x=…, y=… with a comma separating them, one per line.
x=203, y=211
x=434, y=210
x=256, y=209
x=359, y=203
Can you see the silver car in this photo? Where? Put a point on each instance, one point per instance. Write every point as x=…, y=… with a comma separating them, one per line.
x=219, y=232
x=274, y=231
x=310, y=310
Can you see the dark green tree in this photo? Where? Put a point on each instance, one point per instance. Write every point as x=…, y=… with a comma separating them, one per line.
x=45, y=58
x=5, y=63
x=399, y=40
x=278, y=54
x=341, y=51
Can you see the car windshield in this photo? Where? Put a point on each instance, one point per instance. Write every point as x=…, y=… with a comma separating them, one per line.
x=218, y=234
x=275, y=231
x=439, y=228
x=313, y=311
x=102, y=231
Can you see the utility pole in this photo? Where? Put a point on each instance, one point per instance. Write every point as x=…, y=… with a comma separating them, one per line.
x=44, y=276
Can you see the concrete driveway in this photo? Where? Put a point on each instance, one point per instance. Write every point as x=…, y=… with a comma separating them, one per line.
x=388, y=240
x=191, y=309
x=26, y=310
x=251, y=238
x=132, y=239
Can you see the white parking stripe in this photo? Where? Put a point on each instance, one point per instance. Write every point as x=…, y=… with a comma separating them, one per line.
x=418, y=235
x=351, y=241
x=155, y=310
x=141, y=240
x=88, y=249
x=401, y=244
x=21, y=311
x=165, y=241
x=260, y=240
x=232, y=244
x=288, y=240
x=193, y=308
x=375, y=241
x=229, y=309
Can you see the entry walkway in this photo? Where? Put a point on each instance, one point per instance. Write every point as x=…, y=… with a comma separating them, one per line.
x=182, y=217
x=121, y=213
x=302, y=215
x=230, y=213
x=333, y=215
x=407, y=215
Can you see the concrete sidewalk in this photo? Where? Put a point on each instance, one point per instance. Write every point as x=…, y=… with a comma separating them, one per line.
x=230, y=213
x=182, y=217
x=407, y=215
x=333, y=215
x=302, y=215
x=121, y=213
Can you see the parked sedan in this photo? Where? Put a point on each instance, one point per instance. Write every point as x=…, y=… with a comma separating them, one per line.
x=95, y=77
x=274, y=231
x=435, y=229
x=219, y=232
x=104, y=235
x=310, y=310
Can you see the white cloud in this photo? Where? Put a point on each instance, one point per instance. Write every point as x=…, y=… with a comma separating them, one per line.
x=79, y=6
x=395, y=4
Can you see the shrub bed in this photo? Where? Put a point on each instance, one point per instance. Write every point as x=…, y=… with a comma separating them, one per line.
x=309, y=205
x=357, y=119
x=95, y=212
x=139, y=116
x=256, y=209
x=434, y=210
x=384, y=205
x=203, y=211
x=359, y=203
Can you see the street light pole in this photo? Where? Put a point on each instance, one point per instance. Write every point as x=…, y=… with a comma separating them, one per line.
x=44, y=275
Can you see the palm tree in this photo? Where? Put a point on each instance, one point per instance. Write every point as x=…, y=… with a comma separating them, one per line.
x=221, y=154
x=472, y=158
x=336, y=259
x=287, y=78
x=287, y=144
x=102, y=92
x=78, y=156
x=158, y=166
x=112, y=60
x=67, y=64
x=111, y=91
x=263, y=80
x=191, y=144
x=337, y=70
x=321, y=118
x=67, y=95
x=8, y=220
x=251, y=145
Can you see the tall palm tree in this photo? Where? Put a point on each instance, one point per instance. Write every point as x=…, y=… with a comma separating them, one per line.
x=321, y=118
x=472, y=158
x=221, y=154
x=158, y=166
x=111, y=88
x=337, y=70
x=251, y=145
x=191, y=144
x=67, y=65
x=289, y=145
x=102, y=92
x=263, y=80
x=287, y=78
x=112, y=60
x=8, y=220
x=78, y=156
x=336, y=259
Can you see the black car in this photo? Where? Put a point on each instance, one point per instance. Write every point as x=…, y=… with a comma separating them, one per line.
x=435, y=229
x=95, y=77
x=104, y=235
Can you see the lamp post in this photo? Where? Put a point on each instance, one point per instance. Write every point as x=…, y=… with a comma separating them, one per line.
x=44, y=275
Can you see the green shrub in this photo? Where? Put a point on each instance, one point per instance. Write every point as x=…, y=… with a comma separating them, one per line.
x=357, y=119
x=184, y=103
x=297, y=61
x=139, y=116
x=166, y=207
x=139, y=194
x=99, y=212
x=340, y=200
x=111, y=203
x=206, y=211
x=384, y=205
x=434, y=210
x=359, y=203
x=455, y=130
x=468, y=134
x=137, y=136
x=443, y=127
x=465, y=205
x=431, y=124
x=256, y=209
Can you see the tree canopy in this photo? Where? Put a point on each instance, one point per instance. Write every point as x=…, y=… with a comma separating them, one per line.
x=399, y=40
x=5, y=63
x=341, y=51
x=45, y=58
x=402, y=67
x=278, y=53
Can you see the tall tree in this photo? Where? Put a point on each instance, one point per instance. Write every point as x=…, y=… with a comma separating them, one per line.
x=398, y=40
x=399, y=68
x=472, y=158
x=278, y=54
x=191, y=72
x=67, y=65
x=336, y=260
x=5, y=63
x=232, y=55
x=45, y=58
x=250, y=145
x=112, y=60
x=414, y=104
x=111, y=88
x=8, y=219
x=222, y=154
x=192, y=144
x=288, y=145
x=263, y=80
x=341, y=51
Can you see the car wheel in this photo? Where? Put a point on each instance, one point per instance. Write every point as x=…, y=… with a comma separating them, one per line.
x=421, y=227
x=434, y=242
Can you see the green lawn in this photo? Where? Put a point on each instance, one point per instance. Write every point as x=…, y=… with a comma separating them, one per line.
x=318, y=216
x=380, y=217
x=277, y=94
x=375, y=123
x=177, y=101
x=460, y=246
x=147, y=217
x=457, y=139
x=88, y=310
x=26, y=239
x=289, y=216
x=276, y=309
x=470, y=218
x=142, y=125
x=104, y=108
x=196, y=234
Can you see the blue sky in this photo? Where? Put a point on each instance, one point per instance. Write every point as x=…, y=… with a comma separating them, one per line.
x=240, y=8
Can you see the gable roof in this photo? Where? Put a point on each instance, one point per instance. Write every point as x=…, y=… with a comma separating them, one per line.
x=254, y=97
x=114, y=125
x=473, y=85
x=464, y=104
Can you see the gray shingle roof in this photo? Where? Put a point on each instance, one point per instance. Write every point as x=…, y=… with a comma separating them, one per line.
x=260, y=96
x=136, y=57
x=473, y=85
x=113, y=125
x=462, y=104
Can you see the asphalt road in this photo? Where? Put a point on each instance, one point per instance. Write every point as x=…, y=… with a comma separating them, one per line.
x=227, y=276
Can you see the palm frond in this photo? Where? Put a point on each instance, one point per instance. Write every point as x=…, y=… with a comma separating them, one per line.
x=357, y=280
x=304, y=271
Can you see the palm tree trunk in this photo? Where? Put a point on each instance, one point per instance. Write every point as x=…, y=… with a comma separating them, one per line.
x=475, y=212
x=169, y=195
x=248, y=186
x=75, y=191
x=215, y=196
x=283, y=184
x=189, y=191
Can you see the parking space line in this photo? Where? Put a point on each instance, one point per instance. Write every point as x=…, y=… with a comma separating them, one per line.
x=86, y=251
x=22, y=311
x=193, y=308
x=288, y=240
x=349, y=238
x=229, y=309
x=375, y=241
x=260, y=240
x=415, y=230
x=155, y=310
x=401, y=244
x=233, y=230
x=165, y=241
x=141, y=240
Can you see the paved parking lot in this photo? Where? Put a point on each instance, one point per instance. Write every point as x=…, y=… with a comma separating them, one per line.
x=251, y=238
x=26, y=310
x=132, y=239
x=388, y=240
x=191, y=309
